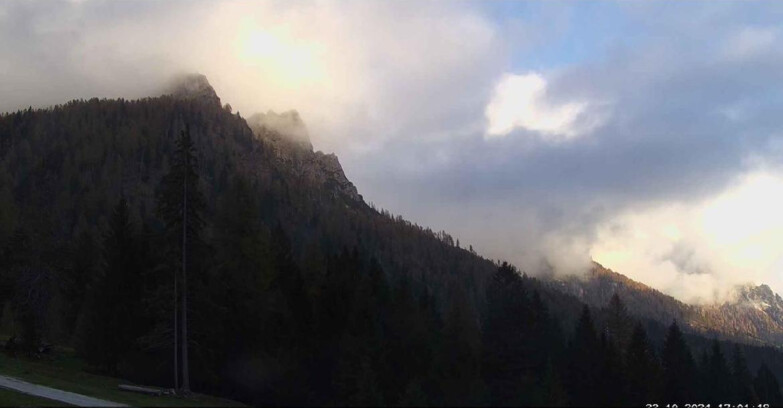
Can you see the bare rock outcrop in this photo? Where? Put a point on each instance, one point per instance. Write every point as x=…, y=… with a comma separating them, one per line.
x=193, y=87
x=286, y=134
x=287, y=126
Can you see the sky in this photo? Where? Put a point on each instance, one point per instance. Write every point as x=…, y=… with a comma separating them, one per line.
x=643, y=135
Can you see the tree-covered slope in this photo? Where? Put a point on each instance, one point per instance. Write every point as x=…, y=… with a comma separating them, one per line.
x=753, y=315
x=285, y=236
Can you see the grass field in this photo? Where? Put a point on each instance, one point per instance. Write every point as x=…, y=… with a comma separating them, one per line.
x=66, y=372
x=10, y=398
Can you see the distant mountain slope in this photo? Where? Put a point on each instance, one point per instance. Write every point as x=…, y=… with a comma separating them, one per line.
x=754, y=315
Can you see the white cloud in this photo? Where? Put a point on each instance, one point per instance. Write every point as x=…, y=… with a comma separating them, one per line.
x=359, y=73
x=698, y=251
x=736, y=112
x=520, y=101
x=750, y=41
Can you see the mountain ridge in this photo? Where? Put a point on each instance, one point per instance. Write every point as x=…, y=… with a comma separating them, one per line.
x=754, y=315
x=285, y=134
x=193, y=87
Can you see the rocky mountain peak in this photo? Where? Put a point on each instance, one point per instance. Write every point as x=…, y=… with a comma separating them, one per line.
x=754, y=314
x=284, y=133
x=193, y=87
x=287, y=125
x=287, y=136
x=760, y=297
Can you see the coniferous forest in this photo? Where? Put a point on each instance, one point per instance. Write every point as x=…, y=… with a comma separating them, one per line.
x=140, y=232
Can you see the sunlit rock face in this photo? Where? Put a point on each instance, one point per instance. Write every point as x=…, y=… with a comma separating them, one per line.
x=760, y=304
x=753, y=314
x=193, y=87
x=758, y=297
x=328, y=168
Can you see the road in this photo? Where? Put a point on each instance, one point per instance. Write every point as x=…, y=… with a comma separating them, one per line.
x=55, y=394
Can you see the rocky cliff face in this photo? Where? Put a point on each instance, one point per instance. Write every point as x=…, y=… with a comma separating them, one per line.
x=754, y=314
x=285, y=127
x=760, y=298
x=194, y=87
x=286, y=134
x=754, y=311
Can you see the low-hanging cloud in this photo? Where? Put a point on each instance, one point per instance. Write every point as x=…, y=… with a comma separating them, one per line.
x=358, y=72
x=697, y=251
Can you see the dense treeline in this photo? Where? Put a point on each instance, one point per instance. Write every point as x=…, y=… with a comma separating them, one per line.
x=613, y=363
x=296, y=294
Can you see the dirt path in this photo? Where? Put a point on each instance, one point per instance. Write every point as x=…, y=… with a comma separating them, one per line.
x=55, y=394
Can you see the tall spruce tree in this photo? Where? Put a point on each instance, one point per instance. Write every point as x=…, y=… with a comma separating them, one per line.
x=27, y=281
x=642, y=368
x=506, y=338
x=115, y=318
x=679, y=372
x=584, y=365
x=78, y=276
x=619, y=326
x=548, y=349
x=718, y=384
x=181, y=207
x=458, y=359
x=703, y=391
x=743, y=381
x=767, y=387
x=612, y=378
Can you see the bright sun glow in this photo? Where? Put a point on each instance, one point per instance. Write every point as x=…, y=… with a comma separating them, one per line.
x=293, y=62
x=739, y=216
x=693, y=250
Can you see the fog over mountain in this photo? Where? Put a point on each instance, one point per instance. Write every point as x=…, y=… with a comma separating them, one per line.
x=651, y=145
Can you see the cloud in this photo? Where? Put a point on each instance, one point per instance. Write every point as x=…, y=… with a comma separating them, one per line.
x=750, y=41
x=519, y=101
x=698, y=251
x=359, y=73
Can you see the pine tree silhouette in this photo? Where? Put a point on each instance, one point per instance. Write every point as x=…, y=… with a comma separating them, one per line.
x=767, y=387
x=679, y=373
x=642, y=368
x=181, y=205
